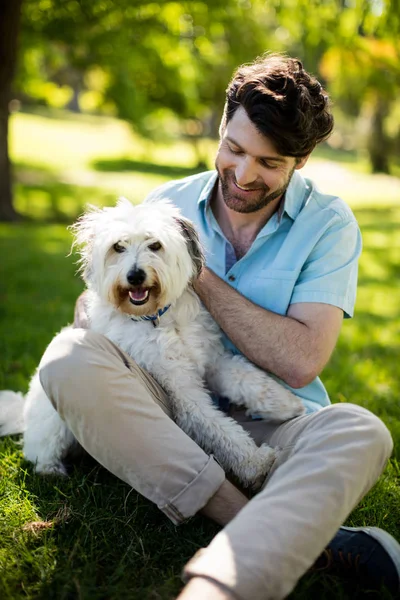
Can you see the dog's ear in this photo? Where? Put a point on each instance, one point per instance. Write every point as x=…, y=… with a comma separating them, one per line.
x=193, y=244
x=84, y=231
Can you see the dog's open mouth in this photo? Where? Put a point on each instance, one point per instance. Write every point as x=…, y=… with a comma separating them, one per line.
x=139, y=295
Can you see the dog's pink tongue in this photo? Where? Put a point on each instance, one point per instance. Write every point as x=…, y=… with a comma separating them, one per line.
x=139, y=294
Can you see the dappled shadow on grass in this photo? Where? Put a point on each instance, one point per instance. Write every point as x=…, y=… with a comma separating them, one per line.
x=379, y=219
x=90, y=536
x=62, y=114
x=103, y=540
x=38, y=288
x=364, y=366
x=56, y=202
x=366, y=373
x=40, y=196
x=128, y=164
x=336, y=155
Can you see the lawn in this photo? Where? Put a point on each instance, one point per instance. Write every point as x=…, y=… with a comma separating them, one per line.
x=91, y=536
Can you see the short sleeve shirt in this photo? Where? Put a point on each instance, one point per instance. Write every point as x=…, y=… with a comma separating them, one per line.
x=307, y=252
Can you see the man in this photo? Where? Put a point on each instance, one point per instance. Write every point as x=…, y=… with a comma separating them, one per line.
x=281, y=273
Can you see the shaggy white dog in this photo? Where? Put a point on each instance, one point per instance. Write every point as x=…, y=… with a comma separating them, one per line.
x=138, y=263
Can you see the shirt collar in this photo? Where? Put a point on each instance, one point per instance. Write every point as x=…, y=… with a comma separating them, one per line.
x=205, y=196
x=294, y=197
x=204, y=200
x=292, y=202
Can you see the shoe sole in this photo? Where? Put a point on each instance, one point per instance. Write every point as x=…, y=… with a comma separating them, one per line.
x=387, y=541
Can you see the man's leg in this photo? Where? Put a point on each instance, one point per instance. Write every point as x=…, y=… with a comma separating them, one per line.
x=326, y=463
x=121, y=417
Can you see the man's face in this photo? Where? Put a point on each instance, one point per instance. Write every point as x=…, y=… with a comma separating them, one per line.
x=252, y=173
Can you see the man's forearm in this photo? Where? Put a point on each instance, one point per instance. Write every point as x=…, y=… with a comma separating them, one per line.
x=278, y=344
x=225, y=504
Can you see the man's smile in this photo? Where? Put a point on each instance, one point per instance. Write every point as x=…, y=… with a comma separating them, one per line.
x=247, y=189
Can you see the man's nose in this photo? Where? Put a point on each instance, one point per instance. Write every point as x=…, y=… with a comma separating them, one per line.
x=246, y=171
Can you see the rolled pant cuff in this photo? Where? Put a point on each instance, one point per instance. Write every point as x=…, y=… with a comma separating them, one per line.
x=196, y=494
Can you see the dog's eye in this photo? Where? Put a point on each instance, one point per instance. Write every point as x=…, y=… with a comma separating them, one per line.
x=119, y=248
x=155, y=247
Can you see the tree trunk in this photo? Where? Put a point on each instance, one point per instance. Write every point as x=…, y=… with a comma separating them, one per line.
x=378, y=143
x=10, y=11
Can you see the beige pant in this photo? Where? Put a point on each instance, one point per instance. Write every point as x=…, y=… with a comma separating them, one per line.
x=326, y=463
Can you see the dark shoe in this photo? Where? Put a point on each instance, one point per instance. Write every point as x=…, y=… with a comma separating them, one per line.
x=368, y=555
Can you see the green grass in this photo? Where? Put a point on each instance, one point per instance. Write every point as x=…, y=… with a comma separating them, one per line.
x=64, y=162
x=90, y=536
x=71, y=141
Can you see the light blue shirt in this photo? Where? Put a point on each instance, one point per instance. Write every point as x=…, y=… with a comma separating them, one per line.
x=307, y=252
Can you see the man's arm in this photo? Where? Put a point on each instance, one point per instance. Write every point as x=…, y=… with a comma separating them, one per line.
x=295, y=347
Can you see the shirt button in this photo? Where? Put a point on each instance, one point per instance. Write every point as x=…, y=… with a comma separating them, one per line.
x=232, y=278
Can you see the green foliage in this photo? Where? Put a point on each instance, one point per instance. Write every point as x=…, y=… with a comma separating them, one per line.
x=139, y=56
x=164, y=66
x=364, y=71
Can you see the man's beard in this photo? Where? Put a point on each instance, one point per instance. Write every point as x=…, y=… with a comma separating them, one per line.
x=241, y=205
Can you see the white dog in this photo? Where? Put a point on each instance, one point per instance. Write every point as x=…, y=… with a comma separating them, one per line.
x=138, y=263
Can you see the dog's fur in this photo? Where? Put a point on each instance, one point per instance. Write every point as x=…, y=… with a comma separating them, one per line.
x=136, y=260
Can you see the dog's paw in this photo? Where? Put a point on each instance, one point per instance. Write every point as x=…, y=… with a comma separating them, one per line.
x=57, y=469
x=275, y=403
x=290, y=407
x=253, y=470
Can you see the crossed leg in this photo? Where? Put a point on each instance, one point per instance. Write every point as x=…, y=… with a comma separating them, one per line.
x=326, y=462
x=121, y=416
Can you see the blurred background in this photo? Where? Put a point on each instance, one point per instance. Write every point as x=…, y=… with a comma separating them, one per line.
x=110, y=97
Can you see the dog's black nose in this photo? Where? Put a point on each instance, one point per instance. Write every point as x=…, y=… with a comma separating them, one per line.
x=136, y=276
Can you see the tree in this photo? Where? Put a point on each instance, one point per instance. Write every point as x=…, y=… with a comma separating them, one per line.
x=150, y=56
x=144, y=58
x=366, y=77
x=9, y=25
x=355, y=49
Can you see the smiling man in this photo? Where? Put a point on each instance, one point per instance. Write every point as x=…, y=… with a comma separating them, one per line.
x=245, y=187
x=281, y=275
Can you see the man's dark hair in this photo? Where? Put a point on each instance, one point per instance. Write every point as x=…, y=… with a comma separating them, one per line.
x=284, y=102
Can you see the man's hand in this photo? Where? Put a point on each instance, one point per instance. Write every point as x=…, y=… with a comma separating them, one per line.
x=81, y=320
x=295, y=347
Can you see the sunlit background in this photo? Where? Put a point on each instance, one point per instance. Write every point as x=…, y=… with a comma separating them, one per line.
x=120, y=95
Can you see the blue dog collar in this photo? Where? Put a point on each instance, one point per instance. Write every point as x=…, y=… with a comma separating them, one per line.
x=155, y=319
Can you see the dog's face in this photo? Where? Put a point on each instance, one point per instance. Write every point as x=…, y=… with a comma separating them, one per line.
x=138, y=258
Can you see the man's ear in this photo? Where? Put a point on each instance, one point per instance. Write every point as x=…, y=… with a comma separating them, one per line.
x=193, y=243
x=300, y=162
